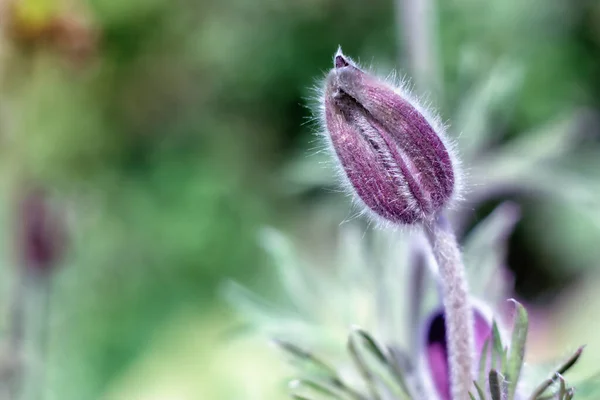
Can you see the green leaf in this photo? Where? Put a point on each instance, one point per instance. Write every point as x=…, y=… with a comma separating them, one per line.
x=480, y=391
x=374, y=366
x=541, y=389
x=331, y=390
x=570, y=361
x=315, y=367
x=371, y=345
x=562, y=390
x=250, y=304
x=363, y=368
x=375, y=350
x=497, y=347
x=292, y=272
x=483, y=362
x=512, y=369
x=485, y=252
x=488, y=98
x=314, y=388
x=570, y=394
x=307, y=359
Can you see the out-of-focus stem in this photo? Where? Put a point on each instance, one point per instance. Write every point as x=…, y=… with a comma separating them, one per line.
x=457, y=307
x=13, y=368
x=21, y=375
x=418, y=42
x=41, y=329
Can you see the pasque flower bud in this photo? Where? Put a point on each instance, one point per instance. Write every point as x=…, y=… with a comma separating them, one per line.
x=42, y=232
x=393, y=155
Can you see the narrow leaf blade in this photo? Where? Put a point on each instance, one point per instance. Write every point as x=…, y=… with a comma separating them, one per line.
x=516, y=355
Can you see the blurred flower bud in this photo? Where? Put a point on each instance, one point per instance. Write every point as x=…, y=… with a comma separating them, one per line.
x=42, y=231
x=394, y=155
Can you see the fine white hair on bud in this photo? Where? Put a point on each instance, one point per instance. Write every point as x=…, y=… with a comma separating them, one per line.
x=392, y=154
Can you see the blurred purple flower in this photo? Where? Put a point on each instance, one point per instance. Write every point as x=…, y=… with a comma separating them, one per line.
x=435, y=350
x=41, y=232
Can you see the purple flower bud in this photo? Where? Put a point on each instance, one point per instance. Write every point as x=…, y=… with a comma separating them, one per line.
x=435, y=349
x=393, y=155
x=41, y=233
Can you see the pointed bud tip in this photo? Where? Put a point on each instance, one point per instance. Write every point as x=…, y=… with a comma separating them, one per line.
x=340, y=61
x=514, y=302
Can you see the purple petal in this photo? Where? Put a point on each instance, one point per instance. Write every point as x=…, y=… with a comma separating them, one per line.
x=483, y=330
x=436, y=350
x=437, y=356
x=41, y=232
x=414, y=136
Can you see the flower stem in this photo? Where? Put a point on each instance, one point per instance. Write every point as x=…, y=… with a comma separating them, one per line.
x=457, y=308
x=418, y=42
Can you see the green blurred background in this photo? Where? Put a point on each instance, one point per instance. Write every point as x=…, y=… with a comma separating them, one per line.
x=171, y=131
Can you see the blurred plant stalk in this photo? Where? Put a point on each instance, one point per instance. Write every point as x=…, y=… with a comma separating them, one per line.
x=418, y=46
x=30, y=29
x=40, y=237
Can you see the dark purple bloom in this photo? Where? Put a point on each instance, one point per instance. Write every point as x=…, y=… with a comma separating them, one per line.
x=437, y=365
x=393, y=155
x=41, y=232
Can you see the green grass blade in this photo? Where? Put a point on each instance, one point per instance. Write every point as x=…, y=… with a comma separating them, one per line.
x=512, y=369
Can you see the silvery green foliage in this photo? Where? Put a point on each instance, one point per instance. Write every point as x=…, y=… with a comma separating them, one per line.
x=353, y=328
x=492, y=70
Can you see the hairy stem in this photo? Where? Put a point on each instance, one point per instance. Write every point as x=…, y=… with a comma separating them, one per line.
x=457, y=308
x=13, y=371
x=43, y=306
